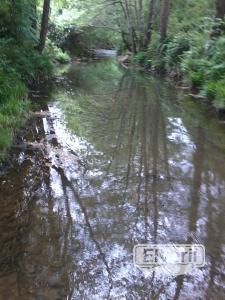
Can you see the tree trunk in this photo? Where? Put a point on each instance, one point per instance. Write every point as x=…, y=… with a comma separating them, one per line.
x=164, y=16
x=218, y=29
x=138, y=9
x=44, y=25
x=125, y=41
x=129, y=25
x=147, y=36
x=220, y=9
x=34, y=18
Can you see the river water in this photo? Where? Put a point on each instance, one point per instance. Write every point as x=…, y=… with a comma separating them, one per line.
x=115, y=159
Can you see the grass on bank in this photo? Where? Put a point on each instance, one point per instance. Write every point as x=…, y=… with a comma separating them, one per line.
x=14, y=108
x=20, y=67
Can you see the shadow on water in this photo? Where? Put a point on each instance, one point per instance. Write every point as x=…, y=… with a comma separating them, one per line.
x=118, y=161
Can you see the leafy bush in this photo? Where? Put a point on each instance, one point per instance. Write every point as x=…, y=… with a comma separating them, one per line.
x=121, y=48
x=10, y=85
x=195, y=53
x=63, y=57
x=219, y=101
x=175, y=50
x=13, y=106
x=26, y=62
x=193, y=63
x=156, y=54
x=204, y=67
x=141, y=57
x=20, y=64
x=56, y=53
x=216, y=92
x=209, y=89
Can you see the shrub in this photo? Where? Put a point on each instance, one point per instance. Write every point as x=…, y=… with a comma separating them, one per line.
x=175, y=50
x=13, y=107
x=20, y=64
x=194, y=64
x=63, y=57
x=219, y=102
x=56, y=53
x=121, y=48
x=216, y=91
x=141, y=58
x=209, y=89
x=156, y=54
x=25, y=62
x=195, y=78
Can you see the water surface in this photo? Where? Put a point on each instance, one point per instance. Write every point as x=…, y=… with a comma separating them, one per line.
x=116, y=158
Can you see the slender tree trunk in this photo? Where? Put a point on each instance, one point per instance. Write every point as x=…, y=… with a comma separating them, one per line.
x=125, y=41
x=129, y=25
x=218, y=29
x=147, y=36
x=138, y=9
x=220, y=9
x=44, y=25
x=34, y=18
x=164, y=17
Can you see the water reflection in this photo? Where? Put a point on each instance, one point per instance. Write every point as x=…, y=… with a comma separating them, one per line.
x=123, y=164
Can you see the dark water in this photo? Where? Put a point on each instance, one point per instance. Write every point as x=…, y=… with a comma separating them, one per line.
x=118, y=159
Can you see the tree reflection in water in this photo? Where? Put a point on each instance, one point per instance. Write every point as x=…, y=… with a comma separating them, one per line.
x=124, y=165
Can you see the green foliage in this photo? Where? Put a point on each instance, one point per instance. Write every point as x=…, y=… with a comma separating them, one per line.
x=70, y=38
x=79, y=40
x=17, y=67
x=78, y=26
x=194, y=69
x=203, y=66
x=17, y=20
x=155, y=54
x=210, y=89
x=26, y=62
x=10, y=86
x=193, y=55
x=13, y=107
x=100, y=38
x=58, y=33
x=216, y=92
x=62, y=57
x=56, y=54
x=175, y=50
x=193, y=50
x=20, y=64
x=120, y=48
x=141, y=58
x=190, y=16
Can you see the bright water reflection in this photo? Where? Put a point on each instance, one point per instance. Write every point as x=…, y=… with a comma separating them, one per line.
x=124, y=163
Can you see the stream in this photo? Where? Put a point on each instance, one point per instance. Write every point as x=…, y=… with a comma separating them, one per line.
x=112, y=158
